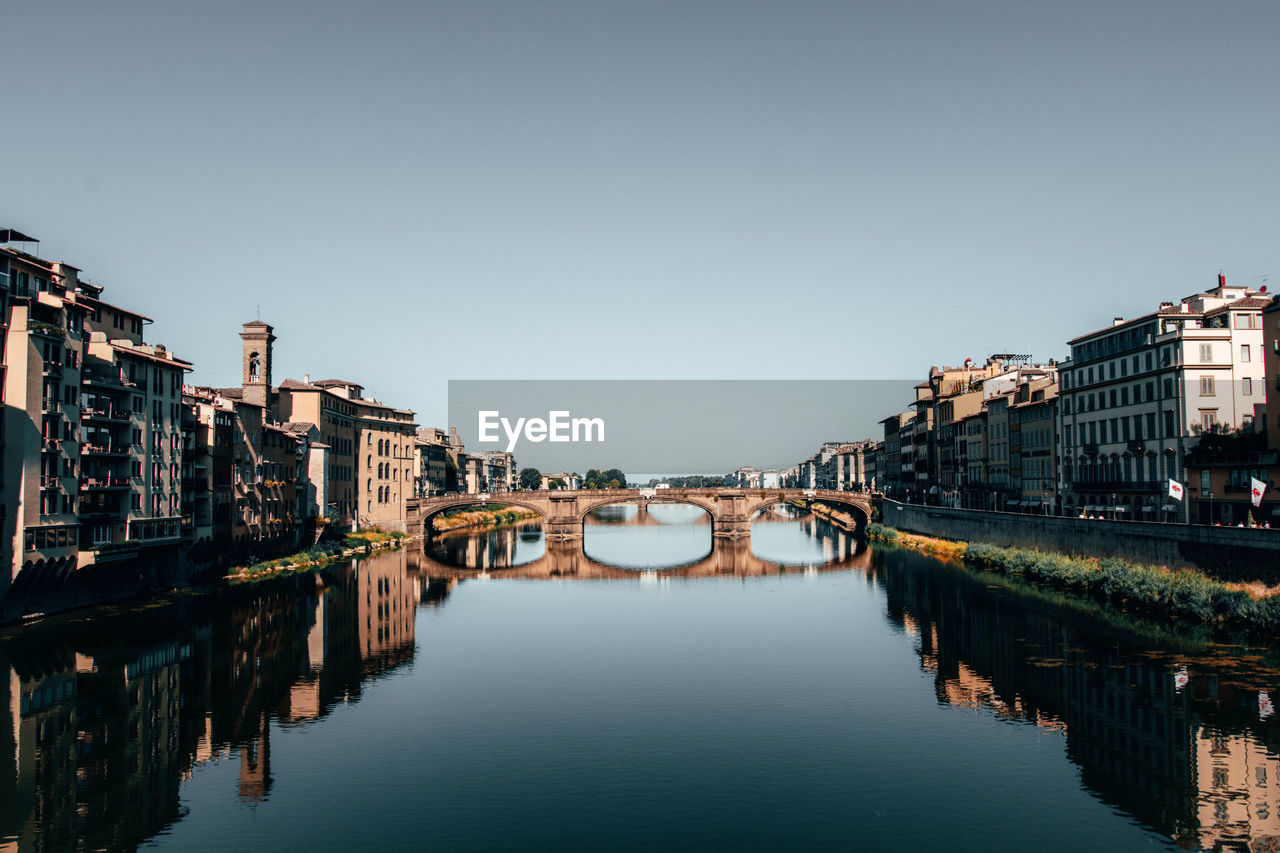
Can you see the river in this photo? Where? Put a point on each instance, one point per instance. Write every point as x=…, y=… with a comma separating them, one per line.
x=647, y=688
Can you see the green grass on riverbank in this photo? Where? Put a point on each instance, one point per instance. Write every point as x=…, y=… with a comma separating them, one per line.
x=1156, y=590
x=319, y=554
x=479, y=517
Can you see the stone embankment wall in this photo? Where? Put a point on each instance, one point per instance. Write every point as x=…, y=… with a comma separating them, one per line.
x=1228, y=553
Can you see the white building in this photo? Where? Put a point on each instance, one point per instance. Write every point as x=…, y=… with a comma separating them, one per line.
x=1135, y=396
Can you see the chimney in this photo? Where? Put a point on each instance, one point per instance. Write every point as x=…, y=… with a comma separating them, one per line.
x=1222, y=280
x=1117, y=321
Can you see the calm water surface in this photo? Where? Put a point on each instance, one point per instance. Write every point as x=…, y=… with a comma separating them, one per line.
x=644, y=689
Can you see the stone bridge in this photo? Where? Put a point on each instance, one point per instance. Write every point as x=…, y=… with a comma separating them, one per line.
x=562, y=511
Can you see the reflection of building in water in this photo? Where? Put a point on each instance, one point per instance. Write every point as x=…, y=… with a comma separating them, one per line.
x=387, y=599
x=255, y=764
x=99, y=726
x=485, y=550
x=1188, y=763
x=1237, y=778
x=97, y=749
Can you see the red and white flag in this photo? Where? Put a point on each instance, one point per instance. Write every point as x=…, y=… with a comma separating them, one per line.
x=1175, y=489
x=1258, y=489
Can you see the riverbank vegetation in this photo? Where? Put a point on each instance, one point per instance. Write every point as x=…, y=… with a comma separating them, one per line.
x=479, y=516
x=1155, y=590
x=350, y=545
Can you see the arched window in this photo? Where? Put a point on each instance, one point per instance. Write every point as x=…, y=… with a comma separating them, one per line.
x=254, y=366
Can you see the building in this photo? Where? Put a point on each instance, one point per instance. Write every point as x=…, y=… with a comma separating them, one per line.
x=92, y=429
x=370, y=467
x=1033, y=448
x=497, y=471
x=430, y=461
x=1135, y=397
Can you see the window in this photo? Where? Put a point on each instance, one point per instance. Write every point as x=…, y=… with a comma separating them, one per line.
x=1206, y=386
x=1246, y=386
x=1206, y=353
x=1208, y=418
x=1244, y=352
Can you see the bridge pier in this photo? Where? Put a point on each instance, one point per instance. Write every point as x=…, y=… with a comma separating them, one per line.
x=736, y=528
x=560, y=530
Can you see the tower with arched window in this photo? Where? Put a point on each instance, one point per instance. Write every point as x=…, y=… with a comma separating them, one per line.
x=257, y=340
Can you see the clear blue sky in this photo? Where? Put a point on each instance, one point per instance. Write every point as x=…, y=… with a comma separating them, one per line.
x=420, y=191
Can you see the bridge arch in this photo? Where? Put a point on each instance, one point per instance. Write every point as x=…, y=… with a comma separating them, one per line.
x=706, y=506
x=469, y=501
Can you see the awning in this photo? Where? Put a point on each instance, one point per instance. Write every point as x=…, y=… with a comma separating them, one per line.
x=12, y=235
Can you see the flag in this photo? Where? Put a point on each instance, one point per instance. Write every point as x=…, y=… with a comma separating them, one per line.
x=1258, y=489
x=1175, y=489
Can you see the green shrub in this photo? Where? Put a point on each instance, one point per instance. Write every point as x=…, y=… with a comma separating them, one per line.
x=880, y=531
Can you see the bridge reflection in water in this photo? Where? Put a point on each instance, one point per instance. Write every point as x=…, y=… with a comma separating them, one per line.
x=521, y=551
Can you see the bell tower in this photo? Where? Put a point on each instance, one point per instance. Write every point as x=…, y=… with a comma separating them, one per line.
x=256, y=364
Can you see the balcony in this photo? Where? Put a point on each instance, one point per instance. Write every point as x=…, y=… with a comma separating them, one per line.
x=47, y=482
x=50, y=445
x=102, y=483
x=109, y=414
x=106, y=381
x=52, y=368
x=117, y=449
x=48, y=330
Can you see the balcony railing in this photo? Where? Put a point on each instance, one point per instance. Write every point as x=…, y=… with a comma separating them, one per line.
x=106, y=380
x=48, y=329
x=117, y=449
x=108, y=414
x=112, y=482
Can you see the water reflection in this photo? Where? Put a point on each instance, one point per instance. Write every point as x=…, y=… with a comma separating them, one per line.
x=1183, y=740
x=489, y=548
x=626, y=541
x=106, y=716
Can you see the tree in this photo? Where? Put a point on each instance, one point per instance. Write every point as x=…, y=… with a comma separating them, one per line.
x=531, y=479
x=557, y=483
